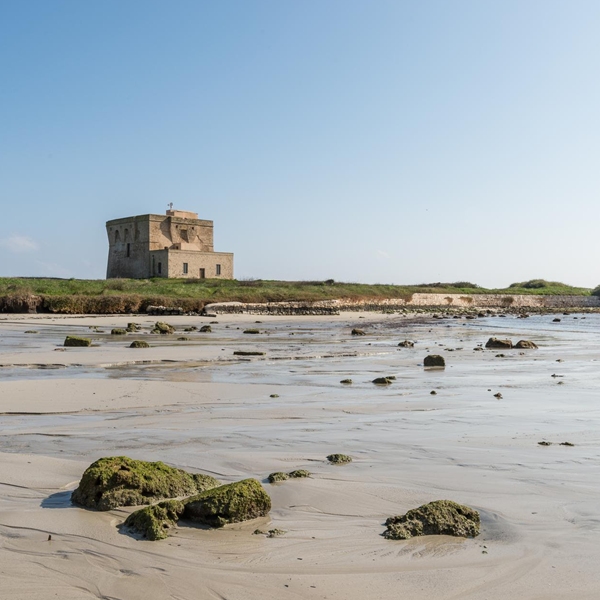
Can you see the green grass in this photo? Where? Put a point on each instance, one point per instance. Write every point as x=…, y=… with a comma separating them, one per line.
x=220, y=290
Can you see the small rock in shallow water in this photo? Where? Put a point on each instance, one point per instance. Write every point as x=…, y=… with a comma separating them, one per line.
x=566, y=444
x=434, y=360
x=358, y=332
x=346, y=381
x=498, y=396
x=544, y=443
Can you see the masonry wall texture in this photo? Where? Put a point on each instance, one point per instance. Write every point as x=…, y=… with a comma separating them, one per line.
x=177, y=244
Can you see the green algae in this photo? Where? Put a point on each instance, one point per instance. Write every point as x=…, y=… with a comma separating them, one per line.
x=163, y=328
x=442, y=517
x=154, y=522
x=139, y=344
x=339, y=459
x=232, y=503
x=121, y=481
x=118, y=331
x=74, y=340
x=298, y=474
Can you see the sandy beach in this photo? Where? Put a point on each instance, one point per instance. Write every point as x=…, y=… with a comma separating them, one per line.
x=196, y=406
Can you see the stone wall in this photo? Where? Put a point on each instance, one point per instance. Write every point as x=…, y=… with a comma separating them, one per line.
x=476, y=301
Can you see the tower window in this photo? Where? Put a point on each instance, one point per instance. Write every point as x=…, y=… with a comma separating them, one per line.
x=185, y=268
x=218, y=269
x=159, y=268
x=128, y=249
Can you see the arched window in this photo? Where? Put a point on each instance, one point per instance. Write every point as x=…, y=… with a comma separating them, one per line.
x=117, y=236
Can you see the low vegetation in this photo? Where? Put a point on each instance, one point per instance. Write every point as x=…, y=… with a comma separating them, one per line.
x=77, y=296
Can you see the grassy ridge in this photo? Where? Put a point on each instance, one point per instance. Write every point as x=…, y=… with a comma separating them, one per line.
x=219, y=290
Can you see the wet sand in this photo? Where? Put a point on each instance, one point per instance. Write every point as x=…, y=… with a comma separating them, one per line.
x=196, y=406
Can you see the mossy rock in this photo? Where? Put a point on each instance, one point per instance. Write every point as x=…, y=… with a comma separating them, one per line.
x=232, y=503
x=497, y=343
x=122, y=481
x=299, y=474
x=382, y=381
x=163, y=328
x=526, y=345
x=248, y=353
x=442, y=517
x=74, y=340
x=118, y=331
x=154, y=522
x=273, y=395
x=339, y=459
x=139, y=344
x=278, y=476
x=133, y=327
x=252, y=331
x=346, y=381
x=358, y=332
x=434, y=360
x=206, y=329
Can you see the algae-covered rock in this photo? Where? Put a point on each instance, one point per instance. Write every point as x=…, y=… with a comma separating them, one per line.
x=526, y=345
x=382, y=381
x=206, y=329
x=299, y=473
x=121, y=481
x=74, y=340
x=163, y=328
x=442, y=517
x=139, y=344
x=357, y=332
x=339, y=459
x=118, y=331
x=498, y=343
x=278, y=476
x=133, y=327
x=434, y=360
x=232, y=503
x=154, y=522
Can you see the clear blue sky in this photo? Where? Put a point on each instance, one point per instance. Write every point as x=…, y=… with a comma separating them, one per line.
x=363, y=140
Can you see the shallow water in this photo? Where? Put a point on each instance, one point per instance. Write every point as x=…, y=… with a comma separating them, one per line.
x=205, y=410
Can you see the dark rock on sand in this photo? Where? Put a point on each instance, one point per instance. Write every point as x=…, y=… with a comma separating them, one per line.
x=248, y=353
x=74, y=340
x=252, y=331
x=526, y=344
x=206, y=329
x=442, y=517
x=346, y=381
x=163, y=328
x=299, y=474
x=139, y=344
x=133, y=327
x=121, y=481
x=406, y=344
x=233, y=503
x=358, y=332
x=382, y=381
x=497, y=343
x=339, y=459
x=434, y=360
